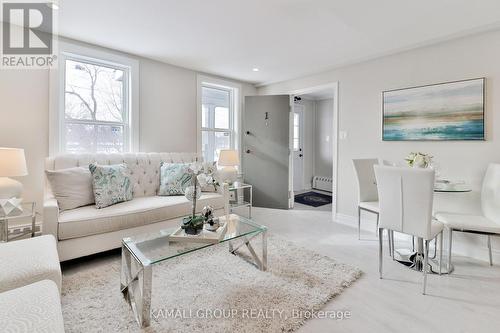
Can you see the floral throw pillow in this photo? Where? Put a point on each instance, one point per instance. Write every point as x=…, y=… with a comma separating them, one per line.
x=174, y=178
x=111, y=184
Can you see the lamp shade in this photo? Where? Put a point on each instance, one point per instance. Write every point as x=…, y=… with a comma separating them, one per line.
x=228, y=157
x=12, y=162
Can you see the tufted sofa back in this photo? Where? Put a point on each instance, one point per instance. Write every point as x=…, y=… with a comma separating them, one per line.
x=144, y=167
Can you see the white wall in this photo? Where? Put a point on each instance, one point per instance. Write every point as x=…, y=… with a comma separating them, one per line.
x=167, y=114
x=24, y=114
x=323, y=136
x=168, y=108
x=360, y=100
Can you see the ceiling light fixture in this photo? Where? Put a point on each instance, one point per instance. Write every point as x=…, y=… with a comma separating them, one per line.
x=255, y=69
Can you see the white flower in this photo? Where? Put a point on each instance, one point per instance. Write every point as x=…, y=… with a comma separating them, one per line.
x=196, y=167
x=209, y=168
x=202, y=179
x=419, y=161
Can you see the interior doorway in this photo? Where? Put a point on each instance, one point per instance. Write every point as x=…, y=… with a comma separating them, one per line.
x=277, y=130
x=313, y=143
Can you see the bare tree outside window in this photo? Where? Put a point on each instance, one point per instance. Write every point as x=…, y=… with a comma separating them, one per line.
x=96, y=116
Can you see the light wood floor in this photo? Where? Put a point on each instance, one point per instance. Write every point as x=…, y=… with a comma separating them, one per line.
x=466, y=301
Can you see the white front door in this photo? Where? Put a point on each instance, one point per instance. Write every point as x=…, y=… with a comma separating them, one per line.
x=298, y=144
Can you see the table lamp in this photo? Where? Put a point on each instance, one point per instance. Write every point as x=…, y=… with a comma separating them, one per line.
x=228, y=160
x=12, y=164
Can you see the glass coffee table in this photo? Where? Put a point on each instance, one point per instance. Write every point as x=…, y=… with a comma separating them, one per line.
x=140, y=253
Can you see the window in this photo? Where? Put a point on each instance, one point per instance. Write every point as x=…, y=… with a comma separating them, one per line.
x=296, y=131
x=218, y=119
x=95, y=107
x=94, y=102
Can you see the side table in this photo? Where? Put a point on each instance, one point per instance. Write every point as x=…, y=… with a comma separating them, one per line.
x=28, y=212
x=242, y=197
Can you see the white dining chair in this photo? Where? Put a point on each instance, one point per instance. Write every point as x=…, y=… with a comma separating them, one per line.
x=487, y=224
x=405, y=205
x=367, y=188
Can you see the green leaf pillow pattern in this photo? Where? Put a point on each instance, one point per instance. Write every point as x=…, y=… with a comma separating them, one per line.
x=111, y=184
x=174, y=178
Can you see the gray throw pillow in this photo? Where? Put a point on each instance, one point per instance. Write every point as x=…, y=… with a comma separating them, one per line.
x=111, y=184
x=71, y=187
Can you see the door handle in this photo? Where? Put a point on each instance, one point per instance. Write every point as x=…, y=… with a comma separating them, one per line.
x=300, y=155
x=248, y=151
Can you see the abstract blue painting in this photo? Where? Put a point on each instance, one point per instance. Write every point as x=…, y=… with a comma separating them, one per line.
x=444, y=111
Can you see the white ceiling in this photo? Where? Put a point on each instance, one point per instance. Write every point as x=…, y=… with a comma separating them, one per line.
x=284, y=38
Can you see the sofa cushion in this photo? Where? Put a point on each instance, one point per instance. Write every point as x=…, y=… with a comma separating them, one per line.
x=32, y=308
x=29, y=260
x=111, y=184
x=86, y=221
x=174, y=178
x=72, y=187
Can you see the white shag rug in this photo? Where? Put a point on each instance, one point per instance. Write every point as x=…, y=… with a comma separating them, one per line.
x=210, y=291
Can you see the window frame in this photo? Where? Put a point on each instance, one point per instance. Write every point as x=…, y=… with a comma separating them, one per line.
x=95, y=56
x=235, y=105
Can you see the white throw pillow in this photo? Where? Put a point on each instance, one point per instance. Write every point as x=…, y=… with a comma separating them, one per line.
x=71, y=187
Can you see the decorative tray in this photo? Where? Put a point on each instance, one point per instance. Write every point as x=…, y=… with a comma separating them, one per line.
x=205, y=236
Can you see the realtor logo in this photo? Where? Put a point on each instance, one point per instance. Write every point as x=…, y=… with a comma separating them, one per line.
x=27, y=34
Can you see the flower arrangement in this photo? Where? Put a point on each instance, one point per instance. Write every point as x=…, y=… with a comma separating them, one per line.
x=419, y=160
x=206, y=174
x=202, y=174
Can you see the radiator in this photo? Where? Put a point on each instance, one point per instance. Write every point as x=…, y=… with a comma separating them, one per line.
x=322, y=183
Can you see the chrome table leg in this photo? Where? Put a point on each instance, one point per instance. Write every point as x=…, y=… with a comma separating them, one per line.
x=135, y=284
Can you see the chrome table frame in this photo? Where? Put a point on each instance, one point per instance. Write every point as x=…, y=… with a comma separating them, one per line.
x=415, y=260
x=4, y=223
x=260, y=263
x=137, y=273
x=135, y=284
x=236, y=204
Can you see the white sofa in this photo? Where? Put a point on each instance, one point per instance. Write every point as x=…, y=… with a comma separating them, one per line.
x=87, y=230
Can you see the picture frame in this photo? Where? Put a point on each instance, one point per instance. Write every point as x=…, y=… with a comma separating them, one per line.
x=447, y=111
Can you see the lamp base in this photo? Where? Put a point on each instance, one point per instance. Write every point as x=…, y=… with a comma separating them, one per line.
x=10, y=196
x=10, y=188
x=11, y=206
x=228, y=174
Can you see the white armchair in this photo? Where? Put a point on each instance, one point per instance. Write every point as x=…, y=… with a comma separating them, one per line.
x=406, y=198
x=486, y=224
